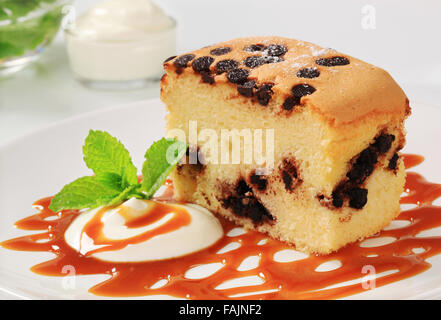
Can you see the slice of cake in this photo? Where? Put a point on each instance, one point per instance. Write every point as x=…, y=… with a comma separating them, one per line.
x=332, y=174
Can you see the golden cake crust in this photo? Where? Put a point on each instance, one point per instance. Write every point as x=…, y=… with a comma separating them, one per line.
x=346, y=89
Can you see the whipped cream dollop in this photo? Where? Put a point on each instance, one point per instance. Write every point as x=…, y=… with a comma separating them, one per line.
x=122, y=20
x=120, y=41
x=200, y=230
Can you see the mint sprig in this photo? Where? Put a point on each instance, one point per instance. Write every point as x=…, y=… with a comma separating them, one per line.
x=109, y=160
x=160, y=159
x=115, y=178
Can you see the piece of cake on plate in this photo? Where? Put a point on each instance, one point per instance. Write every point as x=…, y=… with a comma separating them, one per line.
x=336, y=174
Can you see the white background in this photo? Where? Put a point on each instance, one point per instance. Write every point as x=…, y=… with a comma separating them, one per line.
x=406, y=42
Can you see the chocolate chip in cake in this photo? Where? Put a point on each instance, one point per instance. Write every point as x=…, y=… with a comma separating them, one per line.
x=301, y=90
x=238, y=76
x=254, y=61
x=226, y=65
x=363, y=166
x=242, y=188
x=207, y=77
x=357, y=197
x=202, y=64
x=275, y=50
x=259, y=181
x=263, y=93
x=337, y=200
x=290, y=103
x=247, y=89
x=384, y=142
x=220, y=51
x=169, y=58
x=289, y=173
x=244, y=203
x=332, y=62
x=393, y=162
x=257, y=212
x=271, y=59
x=255, y=48
x=308, y=73
x=182, y=61
x=287, y=180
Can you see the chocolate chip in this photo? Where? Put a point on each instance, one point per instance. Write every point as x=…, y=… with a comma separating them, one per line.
x=220, y=51
x=337, y=200
x=287, y=180
x=259, y=181
x=384, y=142
x=357, y=197
x=289, y=174
x=257, y=212
x=242, y=187
x=202, y=64
x=247, y=88
x=263, y=93
x=207, y=77
x=256, y=61
x=393, y=162
x=275, y=50
x=363, y=166
x=308, y=73
x=271, y=59
x=332, y=62
x=368, y=156
x=238, y=76
x=243, y=203
x=169, y=58
x=301, y=90
x=255, y=48
x=182, y=61
x=226, y=65
x=290, y=103
x=253, y=61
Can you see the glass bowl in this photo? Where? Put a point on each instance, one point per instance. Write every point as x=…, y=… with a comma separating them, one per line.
x=26, y=28
x=120, y=64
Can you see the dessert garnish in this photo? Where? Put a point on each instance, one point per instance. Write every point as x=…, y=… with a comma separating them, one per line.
x=115, y=177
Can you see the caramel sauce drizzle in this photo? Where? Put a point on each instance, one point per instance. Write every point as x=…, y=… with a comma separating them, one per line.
x=291, y=280
x=156, y=211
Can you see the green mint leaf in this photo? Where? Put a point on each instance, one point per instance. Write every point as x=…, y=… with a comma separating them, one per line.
x=109, y=160
x=85, y=192
x=160, y=159
x=129, y=192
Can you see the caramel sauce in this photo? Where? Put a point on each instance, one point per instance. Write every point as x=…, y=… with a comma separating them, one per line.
x=291, y=280
x=156, y=211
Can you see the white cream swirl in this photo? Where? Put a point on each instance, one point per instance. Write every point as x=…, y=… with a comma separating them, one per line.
x=202, y=231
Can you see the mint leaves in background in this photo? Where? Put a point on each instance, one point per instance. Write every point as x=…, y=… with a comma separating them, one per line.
x=14, y=9
x=17, y=38
x=115, y=178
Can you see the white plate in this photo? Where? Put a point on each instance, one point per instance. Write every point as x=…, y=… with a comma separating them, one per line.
x=39, y=164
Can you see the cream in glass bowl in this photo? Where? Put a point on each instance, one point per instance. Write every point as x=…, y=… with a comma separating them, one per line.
x=120, y=44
